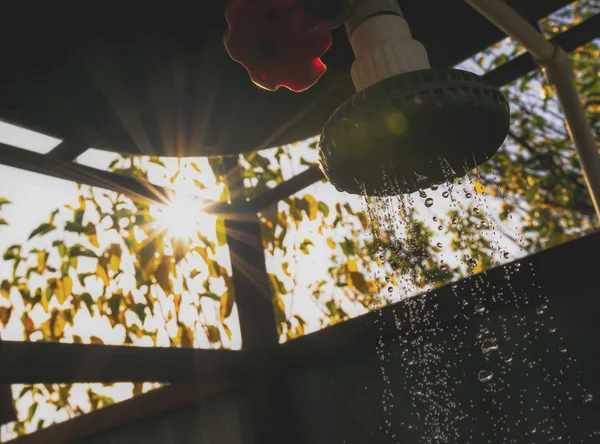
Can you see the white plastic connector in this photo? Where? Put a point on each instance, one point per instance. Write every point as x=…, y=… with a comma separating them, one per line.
x=383, y=47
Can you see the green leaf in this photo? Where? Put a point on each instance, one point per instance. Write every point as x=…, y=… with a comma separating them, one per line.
x=213, y=334
x=211, y=295
x=25, y=390
x=43, y=229
x=31, y=412
x=324, y=208
x=3, y=222
x=4, y=201
x=80, y=250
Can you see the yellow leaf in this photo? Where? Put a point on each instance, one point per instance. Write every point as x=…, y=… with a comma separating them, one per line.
x=5, y=289
x=530, y=181
x=479, y=188
x=226, y=305
x=63, y=289
x=357, y=280
x=331, y=243
x=285, y=267
x=221, y=234
x=227, y=331
x=102, y=274
x=42, y=258
x=352, y=266
x=67, y=286
x=313, y=206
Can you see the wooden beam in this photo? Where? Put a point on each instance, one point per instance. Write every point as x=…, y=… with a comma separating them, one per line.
x=253, y=294
x=148, y=404
x=135, y=189
x=266, y=395
x=7, y=408
x=51, y=362
x=68, y=150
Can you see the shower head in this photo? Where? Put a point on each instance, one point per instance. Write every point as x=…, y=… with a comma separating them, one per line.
x=413, y=130
x=409, y=126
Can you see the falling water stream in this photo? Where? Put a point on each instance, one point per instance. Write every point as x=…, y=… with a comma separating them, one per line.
x=421, y=367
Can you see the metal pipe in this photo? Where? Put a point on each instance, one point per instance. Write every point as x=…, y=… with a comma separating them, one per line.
x=559, y=72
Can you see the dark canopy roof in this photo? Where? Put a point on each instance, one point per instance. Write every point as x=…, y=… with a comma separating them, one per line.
x=157, y=80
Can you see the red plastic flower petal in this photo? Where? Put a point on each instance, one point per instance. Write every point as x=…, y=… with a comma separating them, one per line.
x=277, y=43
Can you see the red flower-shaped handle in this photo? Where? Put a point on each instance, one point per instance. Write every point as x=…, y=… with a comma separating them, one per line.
x=277, y=42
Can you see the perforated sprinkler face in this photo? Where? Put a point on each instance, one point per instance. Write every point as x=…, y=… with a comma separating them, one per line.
x=413, y=130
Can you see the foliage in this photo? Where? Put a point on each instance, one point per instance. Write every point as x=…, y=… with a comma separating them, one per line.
x=104, y=258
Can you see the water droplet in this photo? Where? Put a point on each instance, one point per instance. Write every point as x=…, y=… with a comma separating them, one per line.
x=506, y=255
x=488, y=346
x=532, y=429
x=422, y=193
x=468, y=195
x=435, y=218
x=440, y=228
x=508, y=359
x=439, y=245
x=444, y=267
x=471, y=262
x=390, y=289
x=539, y=310
x=445, y=194
x=562, y=349
x=434, y=187
x=459, y=182
x=588, y=398
x=428, y=202
x=485, y=375
x=544, y=307
x=387, y=279
x=476, y=210
x=552, y=329
x=479, y=308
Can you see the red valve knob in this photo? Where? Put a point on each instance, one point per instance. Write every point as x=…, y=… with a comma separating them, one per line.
x=277, y=42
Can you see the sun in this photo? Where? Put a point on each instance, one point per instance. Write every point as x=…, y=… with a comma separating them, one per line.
x=182, y=217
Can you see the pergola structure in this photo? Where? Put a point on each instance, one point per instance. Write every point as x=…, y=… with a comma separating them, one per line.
x=157, y=81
